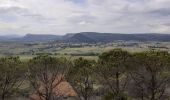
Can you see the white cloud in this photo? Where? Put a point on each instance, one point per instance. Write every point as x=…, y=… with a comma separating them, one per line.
x=65, y=16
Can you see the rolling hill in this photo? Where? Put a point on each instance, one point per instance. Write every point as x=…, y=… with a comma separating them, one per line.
x=38, y=38
x=89, y=37
x=110, y=37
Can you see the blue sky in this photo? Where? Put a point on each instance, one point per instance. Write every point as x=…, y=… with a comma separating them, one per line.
x=79, y=1
x=69, y=16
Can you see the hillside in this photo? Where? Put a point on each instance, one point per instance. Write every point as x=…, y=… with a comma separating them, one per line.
x=110, y=37
x=78, y=38
x=89, y=37
x=38, y=38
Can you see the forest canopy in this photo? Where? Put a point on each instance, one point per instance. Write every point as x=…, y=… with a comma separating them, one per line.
x=115, y=75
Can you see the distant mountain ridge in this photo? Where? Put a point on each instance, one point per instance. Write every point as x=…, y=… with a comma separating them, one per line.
x=79, y=38
x=36, y=38
x=40, y=37
x=89, y=37
x=8, y=37
x=110, y=37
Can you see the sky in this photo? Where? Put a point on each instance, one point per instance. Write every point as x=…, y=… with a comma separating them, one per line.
x=71, y=16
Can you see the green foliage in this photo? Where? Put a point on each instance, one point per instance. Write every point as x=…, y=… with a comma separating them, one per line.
x=81, y=77
x=113, y=61
x=48, y=63
x=117, y=75
x=111, y=96
x=115, y=55
x=112, y=68
x=46, y=73
x=11, y=75
x=150, y=74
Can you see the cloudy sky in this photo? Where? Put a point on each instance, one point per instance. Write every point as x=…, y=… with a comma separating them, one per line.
x=68, y=16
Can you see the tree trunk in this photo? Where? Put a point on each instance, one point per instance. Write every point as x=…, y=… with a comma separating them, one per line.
x=3, y=96
x=86, y=91
x=153, y=87
x=86, y=98
x=117, y=86
x=142, y=97
x=47, y=98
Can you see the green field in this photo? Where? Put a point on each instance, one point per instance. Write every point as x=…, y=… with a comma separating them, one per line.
x=91, y=51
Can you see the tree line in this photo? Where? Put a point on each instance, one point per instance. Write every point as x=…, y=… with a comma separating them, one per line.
x=115, y=75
